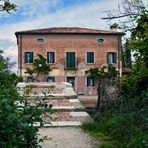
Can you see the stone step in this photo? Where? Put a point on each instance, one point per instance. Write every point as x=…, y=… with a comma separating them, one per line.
x=61, y=124
x=62, y=104
x=65, y=116
x=61, y=119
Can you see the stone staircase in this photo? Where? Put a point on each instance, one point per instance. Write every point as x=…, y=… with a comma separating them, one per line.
x=68, y=112
x=67, y=109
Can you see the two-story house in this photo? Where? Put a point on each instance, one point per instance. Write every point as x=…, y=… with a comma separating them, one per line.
x=70, y=51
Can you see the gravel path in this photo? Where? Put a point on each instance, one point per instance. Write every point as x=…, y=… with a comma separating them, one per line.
x=67, y=137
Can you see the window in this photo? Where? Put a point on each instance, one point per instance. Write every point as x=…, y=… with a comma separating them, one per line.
x=111, y=57
x=100, y=40
x=30, y=79
x=71, y=80
x=28, y=57
x=70, y=60
x=50, y=79
x=90, y=81
x=50, y=57
x=40, y=40
x=90, y=57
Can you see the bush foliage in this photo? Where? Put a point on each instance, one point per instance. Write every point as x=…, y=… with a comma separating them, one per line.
x=127, y=125
x=17, y=117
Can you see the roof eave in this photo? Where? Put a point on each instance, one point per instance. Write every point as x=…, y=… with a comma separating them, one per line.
x=105, y=33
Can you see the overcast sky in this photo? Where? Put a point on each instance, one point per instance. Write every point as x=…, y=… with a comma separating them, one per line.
x=34, y=14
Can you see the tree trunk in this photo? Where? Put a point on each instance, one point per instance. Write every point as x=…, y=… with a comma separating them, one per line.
x=97, y=110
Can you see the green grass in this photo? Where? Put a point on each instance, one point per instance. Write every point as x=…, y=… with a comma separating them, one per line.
x=94, y=130
x=106, y=145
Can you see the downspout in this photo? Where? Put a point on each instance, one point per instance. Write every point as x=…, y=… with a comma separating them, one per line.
x=20, y=55
x=119, y=52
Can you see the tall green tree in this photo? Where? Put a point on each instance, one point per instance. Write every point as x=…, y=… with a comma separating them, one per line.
x=126, y=55
x=139, y=38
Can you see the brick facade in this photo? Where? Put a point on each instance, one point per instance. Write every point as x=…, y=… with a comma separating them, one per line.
x=76, y=40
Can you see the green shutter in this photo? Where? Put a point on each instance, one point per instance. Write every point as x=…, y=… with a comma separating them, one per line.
x=107, y=57
x=114, y=57
x=25, y=57
x=53, y=54
x=90, y=57
x=31, y=57
x=70, y=59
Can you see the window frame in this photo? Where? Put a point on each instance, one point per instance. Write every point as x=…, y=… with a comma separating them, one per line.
x=29, y=55
x=51, y=77
x=54, y=57
x=88, y=81
x=93, y=57
x=114, y=58
x=66, y=64
x=39, y=42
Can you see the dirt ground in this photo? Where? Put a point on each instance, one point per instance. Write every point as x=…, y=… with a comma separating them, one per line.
x=67, y=137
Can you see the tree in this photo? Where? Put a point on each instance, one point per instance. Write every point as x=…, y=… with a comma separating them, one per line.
x=40, y=67
x=127, y=125
x=17, y=122
x=127, y=63
x=102, y=75
x=126, y=13
x=139, y=38
x=6, y=5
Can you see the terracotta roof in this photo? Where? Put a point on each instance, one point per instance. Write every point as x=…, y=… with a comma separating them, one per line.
x=68, y=30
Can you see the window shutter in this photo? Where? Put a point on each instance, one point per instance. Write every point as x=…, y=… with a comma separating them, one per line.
x=73, y=60
x=92, y=57
x=47, y=57
x=53, y=57
x=67, y=59
x=87, y=81
x=88, y=57
x=70, y=59
x=108, y=57
x=31, y=57
x=114, y=57
x=25, y=57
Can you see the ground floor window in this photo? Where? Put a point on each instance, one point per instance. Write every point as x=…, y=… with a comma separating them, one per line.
x=71, y=80
x=50, y=79
x=90, y=81
x=30, y=79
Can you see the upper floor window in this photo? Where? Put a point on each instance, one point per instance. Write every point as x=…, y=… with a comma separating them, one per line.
x=111, y=57
x=90, y=81
x=28, y=57
x=100, y=40
x=90, y=57
x=50, y=57
x=40, y=40
x=50, y=79
x=70, y=60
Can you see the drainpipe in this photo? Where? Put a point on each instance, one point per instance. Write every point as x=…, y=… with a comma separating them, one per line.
x=119, y=52
x=20, y=55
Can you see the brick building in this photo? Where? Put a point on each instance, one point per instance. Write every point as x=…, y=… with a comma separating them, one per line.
x=70, y=51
